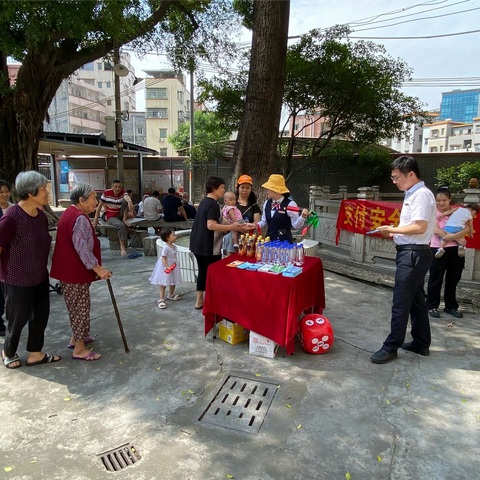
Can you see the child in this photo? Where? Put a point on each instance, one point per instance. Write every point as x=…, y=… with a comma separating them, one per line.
x=232, y=214
x=168, y=258
x=460, y=218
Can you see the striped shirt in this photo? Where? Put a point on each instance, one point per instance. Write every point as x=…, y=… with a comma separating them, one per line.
x=113, y=202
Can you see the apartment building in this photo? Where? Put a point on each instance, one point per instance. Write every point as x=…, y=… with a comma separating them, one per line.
x=167, y=106
x=308, y=125
x=452, y=136
x=100, y=74
x=83, y=100
x=77, y=107
x=134, y=130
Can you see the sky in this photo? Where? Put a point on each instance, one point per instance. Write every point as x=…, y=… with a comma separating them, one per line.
x=452, y=57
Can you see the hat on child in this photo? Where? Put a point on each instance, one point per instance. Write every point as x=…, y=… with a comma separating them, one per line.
x=276, y=183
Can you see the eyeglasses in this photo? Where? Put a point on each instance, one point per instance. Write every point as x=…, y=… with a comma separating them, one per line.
x=395, y=177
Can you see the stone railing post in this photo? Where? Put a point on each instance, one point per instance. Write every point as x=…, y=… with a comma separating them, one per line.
x=326, y=193
x=365, y=193
x=316, y=193
x=472, y=192
x=376, y=193
x=342, y=190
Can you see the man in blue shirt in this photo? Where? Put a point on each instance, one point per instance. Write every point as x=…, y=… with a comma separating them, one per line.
x=172, y=205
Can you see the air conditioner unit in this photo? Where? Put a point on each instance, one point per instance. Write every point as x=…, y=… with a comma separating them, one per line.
x=161, y=140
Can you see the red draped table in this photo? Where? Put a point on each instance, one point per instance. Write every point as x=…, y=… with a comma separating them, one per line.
x=264, y=303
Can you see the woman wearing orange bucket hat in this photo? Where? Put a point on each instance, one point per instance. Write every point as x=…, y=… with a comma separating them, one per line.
x=247, y=204
x=280, y=221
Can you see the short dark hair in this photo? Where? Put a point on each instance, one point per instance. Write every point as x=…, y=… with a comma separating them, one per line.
x=214, y=183
x=473, y=206
x=129, y=191
x=116, y=181
x=5, y=183
x=166, y=232
x=155, y=194
x=171, y=190
x=406, y=164
x=443, y=191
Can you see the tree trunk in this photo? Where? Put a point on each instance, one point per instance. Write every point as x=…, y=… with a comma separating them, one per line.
x=256, y=145
x=22, y=111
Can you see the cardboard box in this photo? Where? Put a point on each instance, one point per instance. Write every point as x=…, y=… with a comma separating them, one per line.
x=262, y=346
x=232, y=333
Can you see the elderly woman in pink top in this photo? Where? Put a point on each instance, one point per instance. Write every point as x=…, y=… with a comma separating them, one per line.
x=450, y=265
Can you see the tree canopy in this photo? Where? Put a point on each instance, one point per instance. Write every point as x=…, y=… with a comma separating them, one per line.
x=52, y=39
x=354, y=87
x=210, y=135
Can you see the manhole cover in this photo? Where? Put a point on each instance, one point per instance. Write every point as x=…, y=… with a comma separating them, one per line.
x=119, y=458
x=240, y=404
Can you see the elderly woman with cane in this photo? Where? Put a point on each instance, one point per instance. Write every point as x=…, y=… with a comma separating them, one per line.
x=77, y=263
x=24, y=248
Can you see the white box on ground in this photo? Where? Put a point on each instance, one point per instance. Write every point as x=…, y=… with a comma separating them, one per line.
x=262, y=346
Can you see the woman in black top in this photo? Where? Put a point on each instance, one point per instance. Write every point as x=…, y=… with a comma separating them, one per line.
x=202, y=238
x=247, y=204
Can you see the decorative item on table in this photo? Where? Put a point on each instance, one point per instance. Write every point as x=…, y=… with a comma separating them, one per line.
x=292, y=271
x=262, y=346
x=232, y=332
x=235, y=263
x=316, y=334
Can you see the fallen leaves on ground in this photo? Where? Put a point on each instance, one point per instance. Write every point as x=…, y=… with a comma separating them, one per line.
x=287, y=405
x=229, y=476
x=379, y=458
x=258, y=374
x=299, y=426
x=388, y=403
x=189, y=391
x=67, y=399
x=415, y=411
x=348, y=476
x=8, y=469
x=451, y=324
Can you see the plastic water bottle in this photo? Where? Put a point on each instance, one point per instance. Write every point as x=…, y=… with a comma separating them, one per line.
x=290, y=260
x=265, y=252
x=300, y=255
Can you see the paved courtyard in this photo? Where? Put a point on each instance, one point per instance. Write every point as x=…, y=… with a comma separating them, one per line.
x=414, y=418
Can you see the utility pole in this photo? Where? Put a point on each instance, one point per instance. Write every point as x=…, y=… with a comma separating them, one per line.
x=192, y=138
x=118, y=118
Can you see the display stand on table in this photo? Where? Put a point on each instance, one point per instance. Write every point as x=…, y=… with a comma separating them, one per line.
x=264, y=303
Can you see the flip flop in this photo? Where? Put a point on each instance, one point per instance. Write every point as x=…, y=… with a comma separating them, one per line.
x=86, y=341
x=46, y=359
x=175, y=298
x=89, y=358
x=9, y=360
x=198, y=308
x=161, y=304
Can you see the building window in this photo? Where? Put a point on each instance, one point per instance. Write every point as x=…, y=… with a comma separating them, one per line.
x=99, y=66
x=295, y=127
x=156, y=113
x=163, y=133
x=433, y=149
x=434, y=133
x=443, y=131
x=188, y=105
x=180, y=96
x=163, y=152
x=87, y=66
x=99, y=84
x=108, y=84
x=477, y=128
x=441, y=148
x=156, y=93
x=139, y=130
x=425, y=142
x=109, y=103
x=107, y=66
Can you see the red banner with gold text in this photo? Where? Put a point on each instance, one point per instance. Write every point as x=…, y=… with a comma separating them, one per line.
x=361, y=216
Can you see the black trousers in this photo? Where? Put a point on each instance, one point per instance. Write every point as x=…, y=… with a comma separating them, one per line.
x=409, y=300
x=26, y=305
x=203, y=264
x=449, y=266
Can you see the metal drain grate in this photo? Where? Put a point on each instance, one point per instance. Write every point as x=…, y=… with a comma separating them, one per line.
x=240, y=404
x=119, y=458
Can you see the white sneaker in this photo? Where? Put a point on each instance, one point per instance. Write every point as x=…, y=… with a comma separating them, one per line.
x=440, y=253
x=461, y=251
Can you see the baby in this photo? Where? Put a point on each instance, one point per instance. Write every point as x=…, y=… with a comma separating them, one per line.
x=460, y=218
x=232, y=214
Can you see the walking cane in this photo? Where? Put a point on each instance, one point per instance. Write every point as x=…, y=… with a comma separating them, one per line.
x=114, y=303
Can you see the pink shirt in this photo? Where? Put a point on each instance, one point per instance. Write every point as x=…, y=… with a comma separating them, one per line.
x=441, y=221
x=236, y=213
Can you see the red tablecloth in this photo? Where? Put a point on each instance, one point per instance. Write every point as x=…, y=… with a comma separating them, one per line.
x=265, y=303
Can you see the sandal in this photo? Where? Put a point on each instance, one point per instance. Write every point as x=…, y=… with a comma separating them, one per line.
x=8, y=361
x=89, y=358
x=175, y=298
x=47, y=358
x=161, y=304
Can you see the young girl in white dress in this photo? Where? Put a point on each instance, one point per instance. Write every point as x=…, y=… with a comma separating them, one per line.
x=160, y=276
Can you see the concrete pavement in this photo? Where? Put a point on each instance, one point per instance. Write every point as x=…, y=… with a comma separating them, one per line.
x=414, y=418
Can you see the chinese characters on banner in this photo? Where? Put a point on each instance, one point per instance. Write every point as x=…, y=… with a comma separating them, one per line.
x=361, y=216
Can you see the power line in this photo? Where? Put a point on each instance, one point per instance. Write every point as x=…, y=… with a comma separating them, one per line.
x=416, y=38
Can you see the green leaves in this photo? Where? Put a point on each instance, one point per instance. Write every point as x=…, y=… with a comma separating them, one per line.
x=457, y=178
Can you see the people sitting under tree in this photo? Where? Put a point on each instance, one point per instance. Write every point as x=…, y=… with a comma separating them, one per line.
x=152, y=207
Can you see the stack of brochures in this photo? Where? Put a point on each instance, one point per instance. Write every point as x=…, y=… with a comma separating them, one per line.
x=292, y=271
